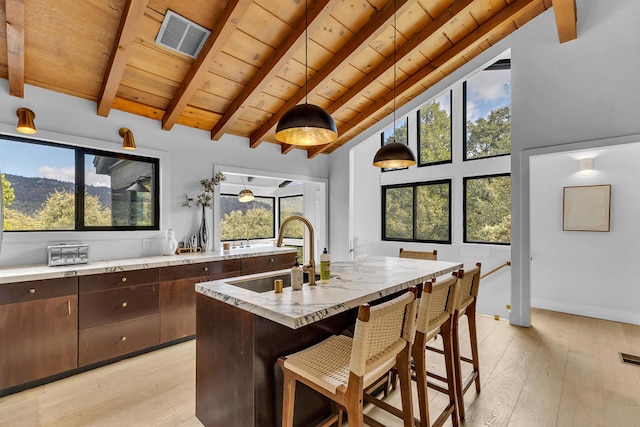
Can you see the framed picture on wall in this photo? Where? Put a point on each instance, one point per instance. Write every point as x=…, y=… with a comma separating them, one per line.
x=586, y=208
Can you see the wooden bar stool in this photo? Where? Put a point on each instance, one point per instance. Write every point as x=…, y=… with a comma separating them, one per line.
x=341, y=368
x=466, y=305
x=435, y=317
x=432, y=256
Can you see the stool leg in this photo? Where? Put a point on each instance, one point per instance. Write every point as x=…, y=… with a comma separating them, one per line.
x=457, y=368
x=449, y=361
x=473, y=336
x=288, y=399
x=419, y=359
x=353, y=401
x=402, y=362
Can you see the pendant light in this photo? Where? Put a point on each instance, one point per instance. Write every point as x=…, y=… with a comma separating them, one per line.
x=137, y=187
x=245, y=195
x=394, y=154
x=25, y=121
x=306, y=124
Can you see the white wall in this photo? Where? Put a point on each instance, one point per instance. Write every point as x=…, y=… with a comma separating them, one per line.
x=187, y=155
x=580, y=272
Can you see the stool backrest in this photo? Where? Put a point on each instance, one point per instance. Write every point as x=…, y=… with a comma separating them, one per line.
x=436, y=304
x=382, y=332
x=469, y=286
x=433, y=256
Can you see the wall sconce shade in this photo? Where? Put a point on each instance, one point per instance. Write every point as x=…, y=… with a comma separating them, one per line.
x=394, y=155
x=128, y=143
x=586, y=164
x=306, y=125
x=138, y=187
x=245, y=195
x=25, y=121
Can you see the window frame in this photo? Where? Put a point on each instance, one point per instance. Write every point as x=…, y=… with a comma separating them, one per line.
x=273, y=224
x=415, y=185
x=501, y=64
x=79, y=185
x=418, y=120
x=465, y=179
x=280, y=221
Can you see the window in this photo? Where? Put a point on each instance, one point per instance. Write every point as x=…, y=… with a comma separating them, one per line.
x=250, y=220
x=401, y=135
x=292, y=205
x=434, y=131
x=417, y=212
x=487, y=209
x=56, y=187
x=487, y=112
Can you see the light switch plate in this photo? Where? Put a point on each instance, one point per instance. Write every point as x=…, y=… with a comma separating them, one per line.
x=147, y=244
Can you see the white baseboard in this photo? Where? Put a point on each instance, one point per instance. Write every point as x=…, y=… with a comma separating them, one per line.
x=588, y=310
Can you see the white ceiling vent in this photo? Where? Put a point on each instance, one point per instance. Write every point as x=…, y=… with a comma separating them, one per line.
x=178, y=33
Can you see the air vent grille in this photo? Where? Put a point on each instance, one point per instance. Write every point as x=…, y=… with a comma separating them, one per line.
x=178, y=33
x=630, y=359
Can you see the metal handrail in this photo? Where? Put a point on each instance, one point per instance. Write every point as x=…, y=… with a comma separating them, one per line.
x=506, y=264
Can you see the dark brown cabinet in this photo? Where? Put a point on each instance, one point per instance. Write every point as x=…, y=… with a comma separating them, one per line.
x=261, y=264
x=38, y=329
x=178, y=295
x=118, y=314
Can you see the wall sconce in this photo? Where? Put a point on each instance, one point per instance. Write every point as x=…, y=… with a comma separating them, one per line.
x=586, y=164
x=128, y=143
x=25, y=121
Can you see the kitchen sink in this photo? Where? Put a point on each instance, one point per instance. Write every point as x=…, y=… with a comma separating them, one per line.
x=265, y=283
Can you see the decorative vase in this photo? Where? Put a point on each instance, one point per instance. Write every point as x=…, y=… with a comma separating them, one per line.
x=204, y=232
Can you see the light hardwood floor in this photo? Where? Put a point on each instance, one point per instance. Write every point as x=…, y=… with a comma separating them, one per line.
x=563, y=371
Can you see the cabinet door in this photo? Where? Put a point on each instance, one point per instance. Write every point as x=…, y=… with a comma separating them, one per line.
x=261, y=264
x=38, y=339
x=177, y=309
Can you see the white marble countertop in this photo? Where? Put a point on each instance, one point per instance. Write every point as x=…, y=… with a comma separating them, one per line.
x=40, y=271
x=352, y=283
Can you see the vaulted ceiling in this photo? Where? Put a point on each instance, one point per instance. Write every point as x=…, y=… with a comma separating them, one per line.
x=251, y=69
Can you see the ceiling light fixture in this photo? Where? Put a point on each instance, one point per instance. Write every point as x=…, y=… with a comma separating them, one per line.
x=25, y=121
x=306, y=124
x=394, y=154
x=128, y=143
x=138, y=187
x=245, y=195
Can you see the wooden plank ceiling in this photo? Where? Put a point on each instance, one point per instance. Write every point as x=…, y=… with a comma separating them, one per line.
x=252, y=67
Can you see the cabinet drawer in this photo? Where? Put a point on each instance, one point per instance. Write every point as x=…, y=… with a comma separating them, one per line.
x=106, y=342
x=116, y=305
x=99, y=282
x=37, y=289
x=267, y=263
x=212, y=269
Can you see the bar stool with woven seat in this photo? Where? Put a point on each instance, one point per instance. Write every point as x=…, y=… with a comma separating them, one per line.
x=466, y=305
x=432, y=256
x=341, y=368
x=435, y=317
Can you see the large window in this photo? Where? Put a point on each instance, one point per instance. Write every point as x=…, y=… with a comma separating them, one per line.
x=55, y=187
x=250, y=220
x=434, y=131
x=487, y=209
x=417, y=212
x=292, y=205
x=487, y=112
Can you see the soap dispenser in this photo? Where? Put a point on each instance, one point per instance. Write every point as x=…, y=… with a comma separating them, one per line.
x=325, y=264
x=296, y=277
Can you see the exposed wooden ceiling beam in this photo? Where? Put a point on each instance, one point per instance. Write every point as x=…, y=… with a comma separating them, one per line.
x=220, y=35
x=270, y=68
x=14, y=10
x=374, y=27
x=125, y=37
x=465, y=46
x=565, y=13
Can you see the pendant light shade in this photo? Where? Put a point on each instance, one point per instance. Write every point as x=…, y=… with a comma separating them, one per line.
x=394, y=155
x=25, y=121
x=245, y=195
x=138, y=187
x=306, y=125
x=127, y=143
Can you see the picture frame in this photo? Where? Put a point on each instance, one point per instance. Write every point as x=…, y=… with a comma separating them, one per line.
x=586, y=208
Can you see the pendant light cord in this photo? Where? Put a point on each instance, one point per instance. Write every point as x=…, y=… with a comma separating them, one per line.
x=395, y=12
x=306, y=51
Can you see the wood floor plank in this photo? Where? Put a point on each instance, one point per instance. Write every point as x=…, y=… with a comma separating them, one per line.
x=581, y=401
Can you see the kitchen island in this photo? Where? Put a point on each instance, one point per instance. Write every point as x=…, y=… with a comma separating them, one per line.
x=241, y=333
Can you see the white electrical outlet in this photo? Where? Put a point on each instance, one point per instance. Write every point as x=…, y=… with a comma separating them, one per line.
x=147, y=244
